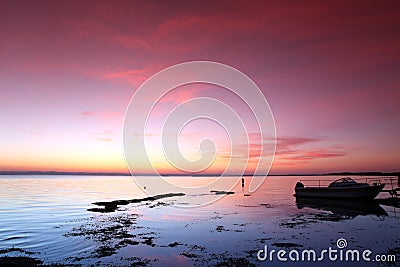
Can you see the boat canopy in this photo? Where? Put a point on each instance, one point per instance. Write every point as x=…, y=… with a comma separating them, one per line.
x=344, y=182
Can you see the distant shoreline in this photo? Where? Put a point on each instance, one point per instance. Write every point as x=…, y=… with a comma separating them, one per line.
x=199, y=175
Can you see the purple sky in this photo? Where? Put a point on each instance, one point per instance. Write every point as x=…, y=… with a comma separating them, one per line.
x=329, y=70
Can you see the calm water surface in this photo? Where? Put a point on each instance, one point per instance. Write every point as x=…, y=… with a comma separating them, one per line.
x=48, y=216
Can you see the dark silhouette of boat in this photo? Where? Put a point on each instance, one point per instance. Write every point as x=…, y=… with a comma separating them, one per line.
x=344, y=188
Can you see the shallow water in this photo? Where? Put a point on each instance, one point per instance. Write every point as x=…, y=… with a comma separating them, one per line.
x=48, y=216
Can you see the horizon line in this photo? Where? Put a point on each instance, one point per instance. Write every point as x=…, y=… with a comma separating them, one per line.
x=367, y=173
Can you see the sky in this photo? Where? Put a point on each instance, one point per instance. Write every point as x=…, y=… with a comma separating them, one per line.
x=328, y=69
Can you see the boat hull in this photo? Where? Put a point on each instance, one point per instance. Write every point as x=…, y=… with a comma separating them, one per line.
x=356, y=192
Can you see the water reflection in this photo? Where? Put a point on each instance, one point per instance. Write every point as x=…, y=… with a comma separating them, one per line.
x=345, y=208
x=51, y=216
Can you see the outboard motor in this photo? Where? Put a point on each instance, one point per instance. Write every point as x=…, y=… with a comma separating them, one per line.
x=299, y=185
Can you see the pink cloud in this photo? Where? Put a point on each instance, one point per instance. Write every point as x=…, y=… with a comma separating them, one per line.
x=285, y=143
x=134, y=77
x=102, y=114
x=87, y=113
x=301, y=150
x=180, y=95
x=104, y=139
x=290, y=150
x=104, y=133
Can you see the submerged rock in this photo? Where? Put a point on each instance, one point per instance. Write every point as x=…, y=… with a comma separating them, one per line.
x=111, y=206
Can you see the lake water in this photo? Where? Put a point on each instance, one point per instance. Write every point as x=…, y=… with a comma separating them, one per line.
x=49, y=218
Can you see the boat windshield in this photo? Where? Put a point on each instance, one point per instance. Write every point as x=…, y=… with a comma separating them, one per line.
x=347, y=181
